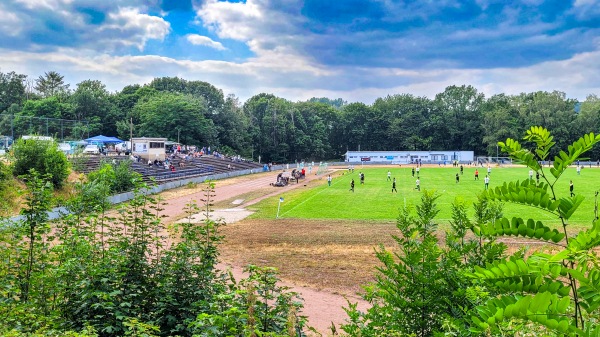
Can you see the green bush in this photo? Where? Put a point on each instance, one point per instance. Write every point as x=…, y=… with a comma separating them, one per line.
x=421, y=289
x=98, y=274
x=43, y=156
x=125, y=177
x=8, y=190
x=119, y=177
x=5, y=173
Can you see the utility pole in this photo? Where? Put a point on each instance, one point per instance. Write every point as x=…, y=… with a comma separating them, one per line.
x=131, y=134
x=497, y=159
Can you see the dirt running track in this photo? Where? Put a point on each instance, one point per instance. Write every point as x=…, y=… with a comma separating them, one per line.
x=322, y=308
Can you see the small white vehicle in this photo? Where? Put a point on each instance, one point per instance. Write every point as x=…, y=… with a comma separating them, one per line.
x=123, y=148
x=91, y=149
x=65, y=148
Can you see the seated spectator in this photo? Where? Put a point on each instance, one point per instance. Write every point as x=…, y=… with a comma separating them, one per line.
x=172, y=167
x=149, y=162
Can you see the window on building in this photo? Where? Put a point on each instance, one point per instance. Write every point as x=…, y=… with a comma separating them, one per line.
x=157, y=145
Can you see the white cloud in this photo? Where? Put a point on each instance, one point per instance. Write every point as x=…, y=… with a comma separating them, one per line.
x=586, y=9
x=579, y=3
x=129, y=27
x=253, y=22
x=48, y=4
x=248, y=21
x=246, y=79
x=231, y=20
x=196, y=39
x=10, y=24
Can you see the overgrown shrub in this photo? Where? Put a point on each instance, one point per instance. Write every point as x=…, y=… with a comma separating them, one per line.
x=125, y=177
x=118, y=177
x=120, y=276
x=8, y=190
x=43, y=156
x=5, y=172
x=422, y=289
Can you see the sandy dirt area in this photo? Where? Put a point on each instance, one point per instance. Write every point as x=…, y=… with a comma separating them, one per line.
x=323, y=301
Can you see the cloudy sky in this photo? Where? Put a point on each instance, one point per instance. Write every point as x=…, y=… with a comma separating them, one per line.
x=354, y=49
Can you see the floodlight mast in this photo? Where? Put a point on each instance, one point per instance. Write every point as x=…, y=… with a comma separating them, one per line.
x=497, y=158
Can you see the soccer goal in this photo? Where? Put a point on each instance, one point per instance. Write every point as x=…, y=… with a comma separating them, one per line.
x=493, y=161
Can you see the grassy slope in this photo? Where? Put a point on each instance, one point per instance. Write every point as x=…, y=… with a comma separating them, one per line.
x=374, y=200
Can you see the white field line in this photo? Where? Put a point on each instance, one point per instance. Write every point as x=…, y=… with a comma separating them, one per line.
x=333, y=182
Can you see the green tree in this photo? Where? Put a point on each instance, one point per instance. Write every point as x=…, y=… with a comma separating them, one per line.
x=92, y=103
x=175, y=116
x=268, y=116
x=501, y=120
x=42, y=117
x=51, y=84
x=43, y=156
x=309, y=130
x=337, y=103
x=551, y=109
x=356, y=127
x=212, y=96
x=461, y=108
x=125, y=102
x=410, y=122
x=233, y=128
x=12, y=89
x=588, y=120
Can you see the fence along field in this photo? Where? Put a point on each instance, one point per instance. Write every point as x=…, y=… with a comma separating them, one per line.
x=374, y=201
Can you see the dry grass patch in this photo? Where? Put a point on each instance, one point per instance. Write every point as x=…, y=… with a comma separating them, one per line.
x=335, y=255
x=331, y=255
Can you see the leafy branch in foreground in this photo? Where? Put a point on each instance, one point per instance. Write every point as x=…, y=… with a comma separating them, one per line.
x=558, y=290
x=422, y=290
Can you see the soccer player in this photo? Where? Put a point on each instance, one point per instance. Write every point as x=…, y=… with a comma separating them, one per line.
x=571, y=188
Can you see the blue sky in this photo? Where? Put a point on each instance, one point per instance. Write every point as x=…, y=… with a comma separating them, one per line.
x=354, y=49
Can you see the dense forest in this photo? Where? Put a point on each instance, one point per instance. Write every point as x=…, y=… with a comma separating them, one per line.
x=198, y=113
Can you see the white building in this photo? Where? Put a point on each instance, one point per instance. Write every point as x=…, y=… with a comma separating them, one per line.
x=149, y=148
x=406, y=157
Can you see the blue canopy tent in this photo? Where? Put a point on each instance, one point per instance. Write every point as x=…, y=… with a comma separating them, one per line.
x=104, y=140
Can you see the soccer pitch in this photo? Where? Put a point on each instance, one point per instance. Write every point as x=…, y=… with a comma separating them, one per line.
x=374, y=201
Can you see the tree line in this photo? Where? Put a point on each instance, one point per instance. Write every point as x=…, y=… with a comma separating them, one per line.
x=198, y=113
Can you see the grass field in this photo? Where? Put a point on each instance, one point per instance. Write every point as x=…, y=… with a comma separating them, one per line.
x=375, y=201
